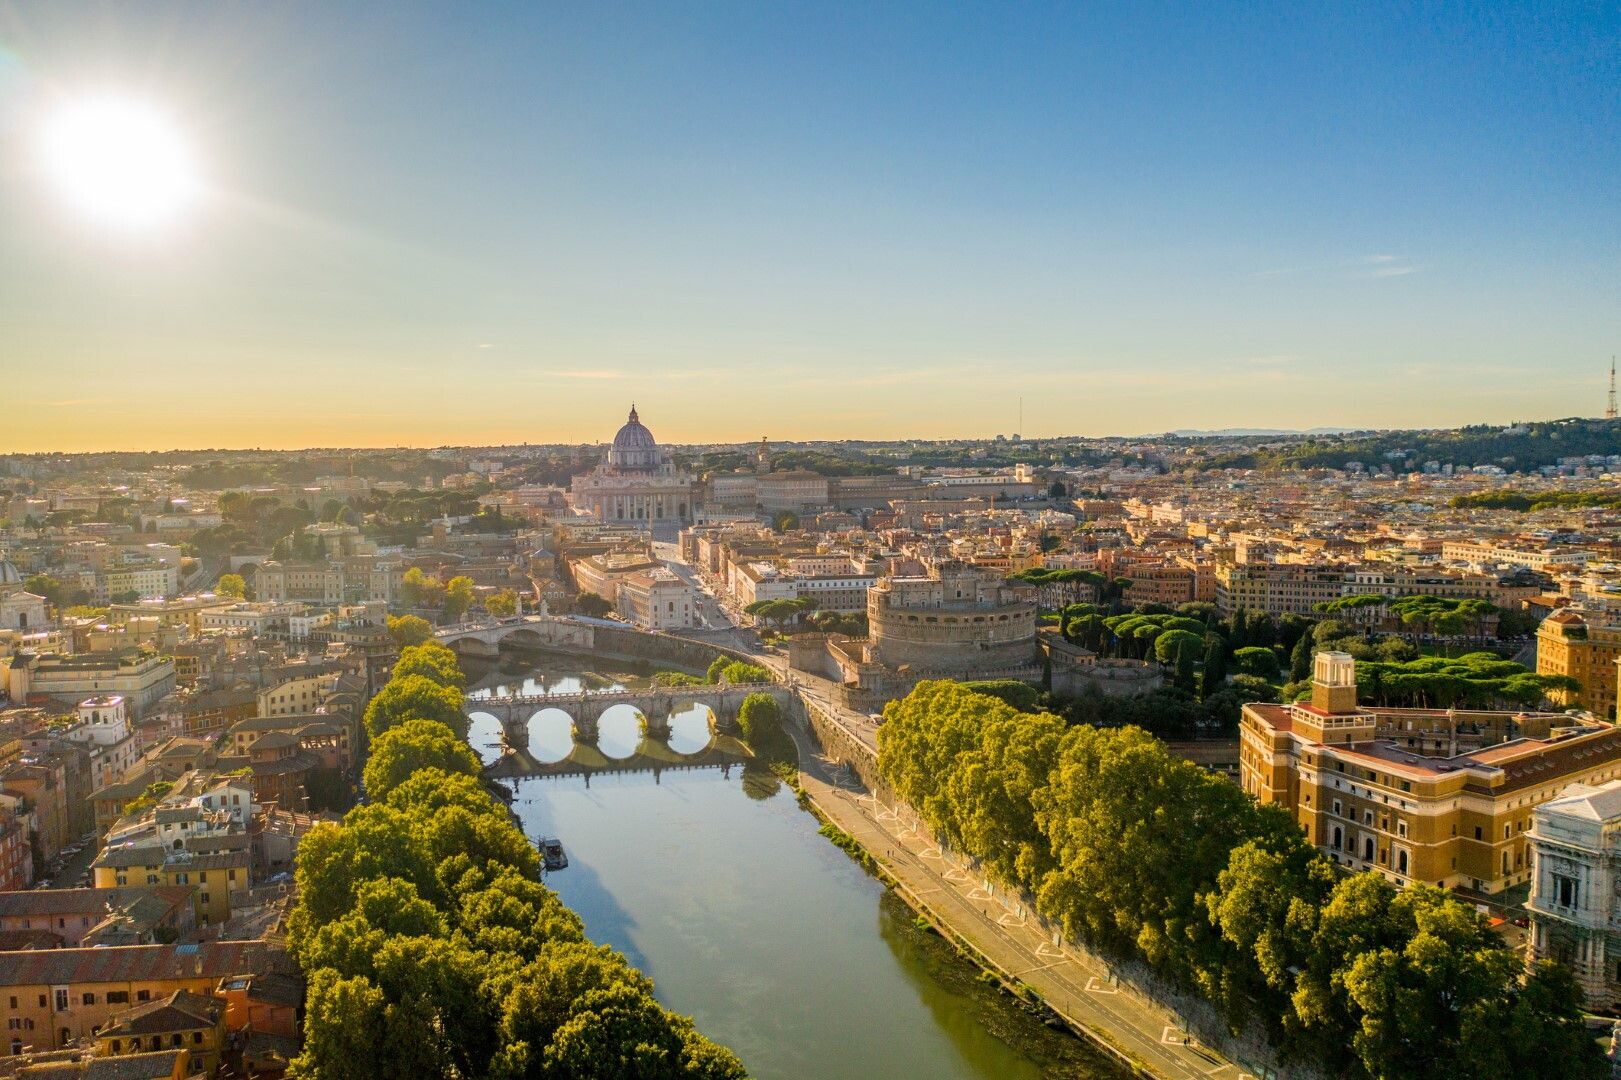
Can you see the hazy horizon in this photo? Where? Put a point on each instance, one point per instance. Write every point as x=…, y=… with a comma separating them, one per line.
x=412, y=226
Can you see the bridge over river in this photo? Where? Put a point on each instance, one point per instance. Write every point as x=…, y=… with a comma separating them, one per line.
x=585, y=709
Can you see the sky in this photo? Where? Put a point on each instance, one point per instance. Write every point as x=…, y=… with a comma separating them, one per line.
x=432, y=224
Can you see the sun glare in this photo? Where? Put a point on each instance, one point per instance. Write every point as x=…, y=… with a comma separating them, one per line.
x=119, y=162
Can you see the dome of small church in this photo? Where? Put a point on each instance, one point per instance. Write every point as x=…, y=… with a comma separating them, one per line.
x=633, y=436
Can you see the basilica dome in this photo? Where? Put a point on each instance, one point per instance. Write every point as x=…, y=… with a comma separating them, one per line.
x=633, y=436
x=634, y=448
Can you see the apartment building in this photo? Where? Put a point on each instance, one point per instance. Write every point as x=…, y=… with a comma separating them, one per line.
x=1482, y=554
x=1584, y=645
x=1438, y=796
x=1276, y=588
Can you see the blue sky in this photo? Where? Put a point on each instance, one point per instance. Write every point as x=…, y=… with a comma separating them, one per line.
x=467, y=223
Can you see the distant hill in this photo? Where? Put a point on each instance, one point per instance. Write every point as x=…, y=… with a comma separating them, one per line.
x=1246, y=433
x=1518, y=448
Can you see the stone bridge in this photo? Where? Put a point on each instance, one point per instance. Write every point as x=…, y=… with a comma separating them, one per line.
x=657, y=704
x=591, y=637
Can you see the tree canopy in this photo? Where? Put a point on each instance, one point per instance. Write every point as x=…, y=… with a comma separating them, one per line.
x=431, y=947
x=1141, y=854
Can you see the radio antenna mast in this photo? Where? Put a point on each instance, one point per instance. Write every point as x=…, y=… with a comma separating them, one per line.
x=1609, y=408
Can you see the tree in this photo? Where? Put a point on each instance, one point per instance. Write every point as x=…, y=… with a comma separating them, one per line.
x=1215, y=664
x=736, y=673
x=1258, y=661
x=785, y=522
x=1171, y=644
x=414, y=697
x=413, y=587
x=589, y=603
x=458, y=597
x=232, y=585
x=411, y=747
x=1300, y=659
x=408, y=630
x=430, y=660
x=501, y=604
x=757, y=715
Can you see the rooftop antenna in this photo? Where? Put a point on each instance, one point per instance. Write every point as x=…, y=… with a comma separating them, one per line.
x=1609, y=408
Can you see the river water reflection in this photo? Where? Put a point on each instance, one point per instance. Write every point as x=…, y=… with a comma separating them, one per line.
x=719, y=887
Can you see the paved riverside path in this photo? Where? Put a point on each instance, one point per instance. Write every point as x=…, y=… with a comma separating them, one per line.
x=1077, y=987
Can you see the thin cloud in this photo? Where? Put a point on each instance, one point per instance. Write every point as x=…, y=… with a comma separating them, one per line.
x=593, y=373
x=1385, y=266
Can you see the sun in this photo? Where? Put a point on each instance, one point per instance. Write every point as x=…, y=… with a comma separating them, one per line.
x=121, y=163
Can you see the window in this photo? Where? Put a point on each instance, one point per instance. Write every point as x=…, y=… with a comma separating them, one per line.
x=1564, y=890
x=118, y=997
x=1401, y=827
x=1477, y=832
x=1367, y=848
x=118, y=1046
x=1401, y=860
x=142, y=995
x=89, y=998
x=61, y=999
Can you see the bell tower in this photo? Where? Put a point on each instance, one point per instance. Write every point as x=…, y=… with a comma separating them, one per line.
x=1333, y=682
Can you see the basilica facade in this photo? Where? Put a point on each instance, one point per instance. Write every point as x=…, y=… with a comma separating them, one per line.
x=637, y=482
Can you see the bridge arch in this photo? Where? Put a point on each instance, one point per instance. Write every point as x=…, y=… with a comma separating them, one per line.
x=550, y=735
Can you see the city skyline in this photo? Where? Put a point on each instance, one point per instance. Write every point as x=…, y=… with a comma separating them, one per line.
x=411, y=228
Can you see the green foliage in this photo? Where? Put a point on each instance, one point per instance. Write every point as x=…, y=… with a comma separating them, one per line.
x=1256, y=661
x=232, y=585
x=757, y=716
x=432, y=948
x=676, y=678
x=1477, y=680
x=589, y=603
x=1020, y=695
x=1139, y=853
x=431, y=660
x=408, y=748
x=458, y=598
x=502, y=603
x=1528, y=447
x=414, y=697
x=1523, y=501
x=408, y=630
x=736, y=671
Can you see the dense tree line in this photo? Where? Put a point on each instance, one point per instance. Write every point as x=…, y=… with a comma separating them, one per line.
x=1140, y=854
x=1522, y=501
x=431, y=947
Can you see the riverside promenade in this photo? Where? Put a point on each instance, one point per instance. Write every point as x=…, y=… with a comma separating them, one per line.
x=1141, y=1034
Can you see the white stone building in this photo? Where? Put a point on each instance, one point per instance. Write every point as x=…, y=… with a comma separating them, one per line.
x=1575, y=843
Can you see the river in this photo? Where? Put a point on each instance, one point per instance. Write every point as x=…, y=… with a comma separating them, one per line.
x=718, y=886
